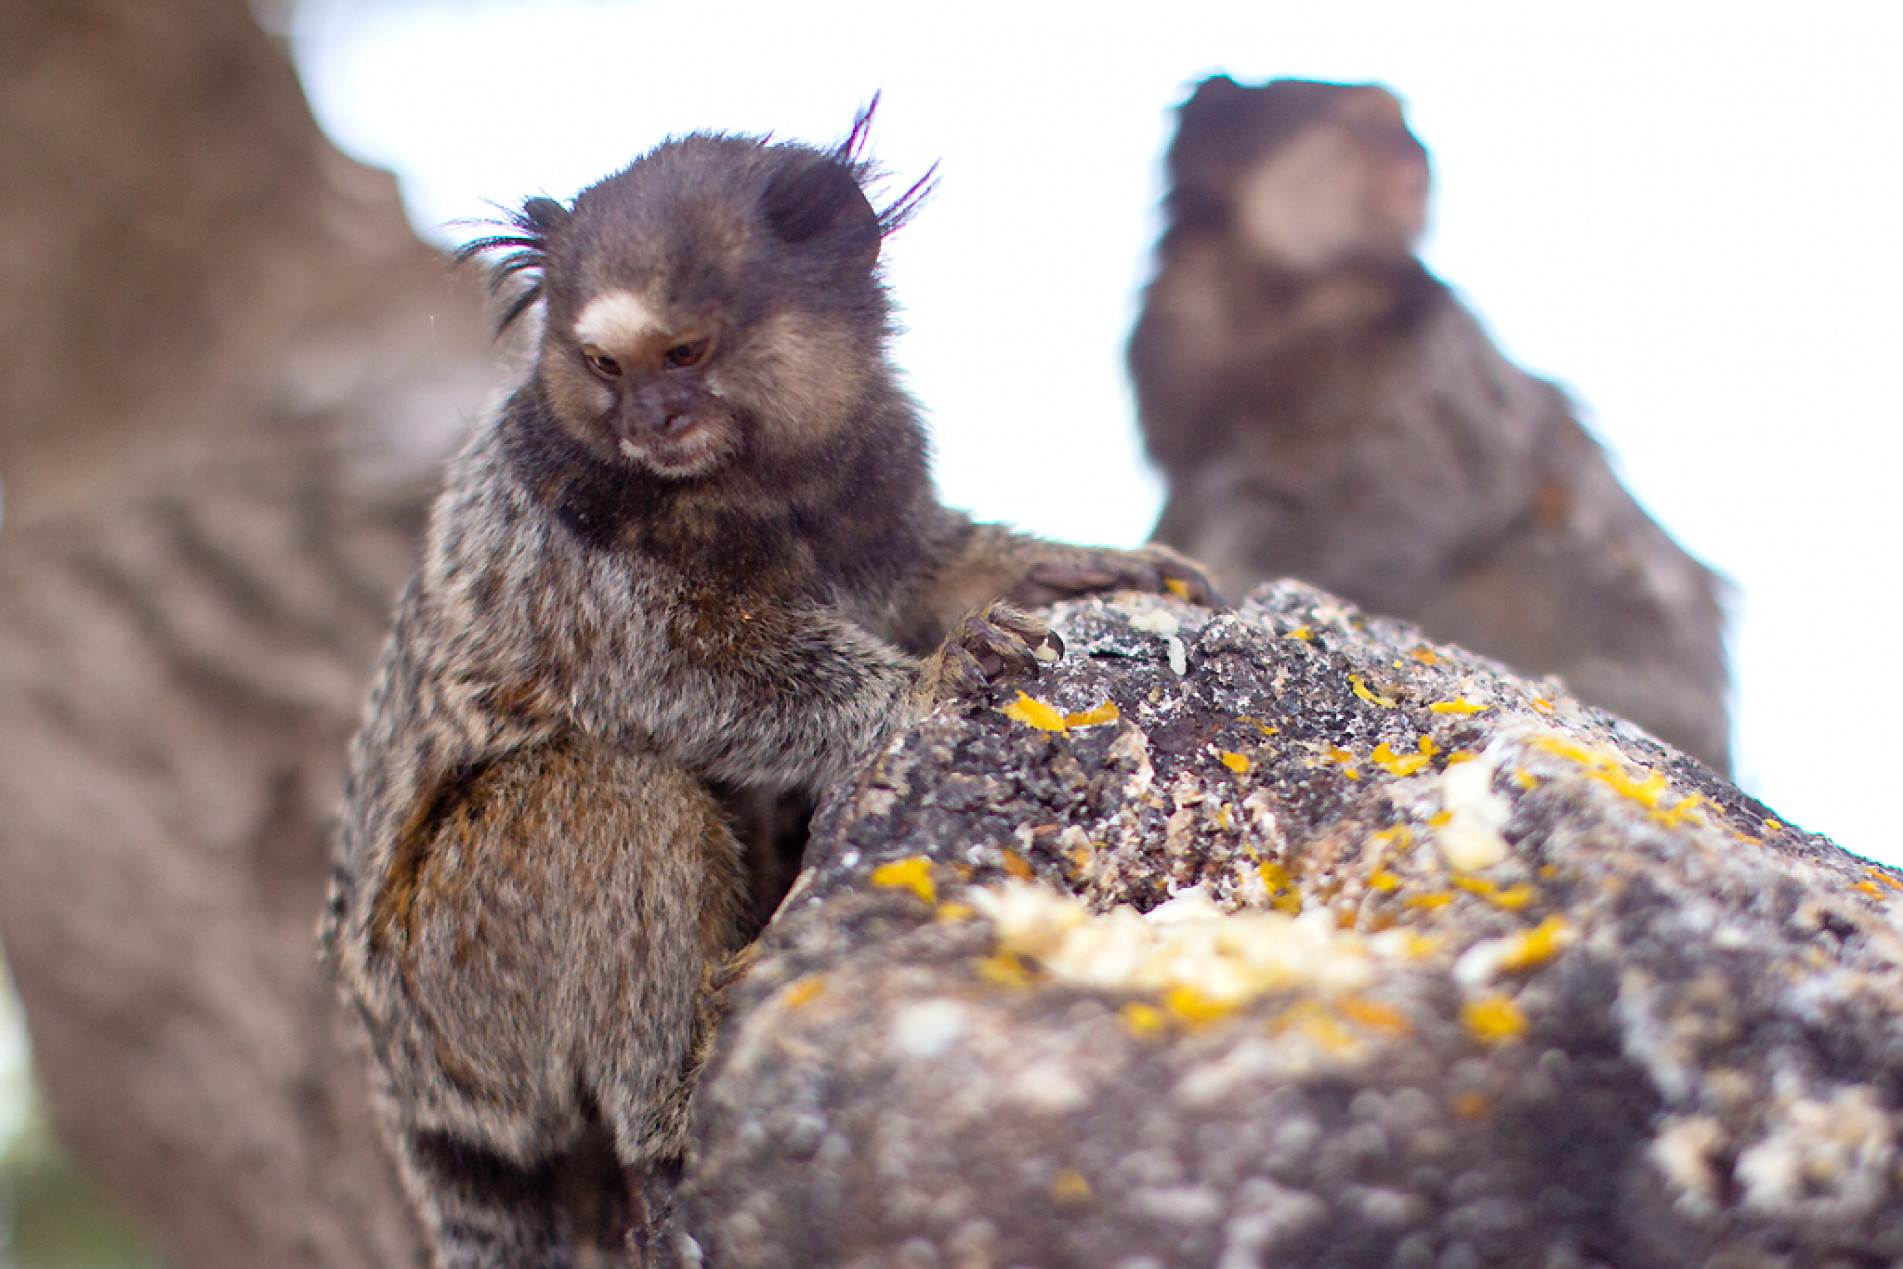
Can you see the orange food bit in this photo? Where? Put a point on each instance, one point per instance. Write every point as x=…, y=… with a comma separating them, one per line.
x=914, y=874
x=1104, y=713
x=1365, y=693
x=1006, y=970
x=1374, y=1015
x=1536, y=945
x=1493, y=1019
x=1396, y=764
x=1143, y=1019
x=1034, y=713
x=1194, y=1008
x=1069, y=1187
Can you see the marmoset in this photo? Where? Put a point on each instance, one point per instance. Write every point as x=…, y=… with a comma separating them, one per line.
x=1325, y=408
x=697, y=549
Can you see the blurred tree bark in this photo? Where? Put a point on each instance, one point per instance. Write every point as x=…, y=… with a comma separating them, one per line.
x=227, y=366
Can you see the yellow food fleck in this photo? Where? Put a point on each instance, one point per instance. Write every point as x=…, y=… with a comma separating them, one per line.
x=1401, y=836
x=1440, y=819
x=1194, y=1008
x=1885, y=878
x=1542, y=705
x=1006, y=970
x=914, y=874
x=1017, y=866
x=1397, y=764
x=1382, y=879
x=1430, y=901
x=1774, y=826
x=1301, y=632
x=1177, y=587
x=1426, y=656
x=1459, y=706
x=1687, y=810
x=1373, y=698
x=1512, y=898
x=1035, y=713
x=1868, y=888
x=804, y=991
x=1459, y=756
x=1236, y=762
x=1537, y=945
x=1374, y=1015
x=956, y=912
x=1471, y=1105
x=1143, y=1019
x=1283, y=896
x=1347, y=759
x=1525, y=779
x=1607, y=768
x=1223, y=818
x=1258, y=724
x=1104, y=713
x=1646, y=792
x=1325, y=1031
x=1493, y=1019
x=1069, y=1186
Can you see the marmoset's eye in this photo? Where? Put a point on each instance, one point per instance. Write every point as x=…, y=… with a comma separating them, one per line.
x=686, y=354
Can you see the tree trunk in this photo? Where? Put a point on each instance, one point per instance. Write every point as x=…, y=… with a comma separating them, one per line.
x=227, y=367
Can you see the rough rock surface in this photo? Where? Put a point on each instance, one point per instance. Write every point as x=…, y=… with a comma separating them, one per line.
x=1441, y=968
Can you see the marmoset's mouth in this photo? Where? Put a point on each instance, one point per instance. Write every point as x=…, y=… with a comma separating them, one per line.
x=688, y=445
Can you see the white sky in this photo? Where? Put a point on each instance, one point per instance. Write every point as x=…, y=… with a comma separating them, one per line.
x=1684, y=213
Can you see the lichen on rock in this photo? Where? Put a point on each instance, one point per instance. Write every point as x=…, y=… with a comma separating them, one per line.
x=1279, y=936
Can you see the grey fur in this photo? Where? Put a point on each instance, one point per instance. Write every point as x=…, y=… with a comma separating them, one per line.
x=1324, y=408
x=698, y=549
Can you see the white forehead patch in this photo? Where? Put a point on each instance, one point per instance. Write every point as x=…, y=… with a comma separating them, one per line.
x=616, y=319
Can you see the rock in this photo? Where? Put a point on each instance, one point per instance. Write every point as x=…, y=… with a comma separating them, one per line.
x=1438, y=967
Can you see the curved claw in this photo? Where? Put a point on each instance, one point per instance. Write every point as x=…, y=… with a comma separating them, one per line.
x=1155, y=569
x=988, y=645
x=1184, y=577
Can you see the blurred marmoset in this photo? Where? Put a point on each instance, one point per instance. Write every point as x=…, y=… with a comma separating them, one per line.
x=1324, y=408
x=698, y=548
